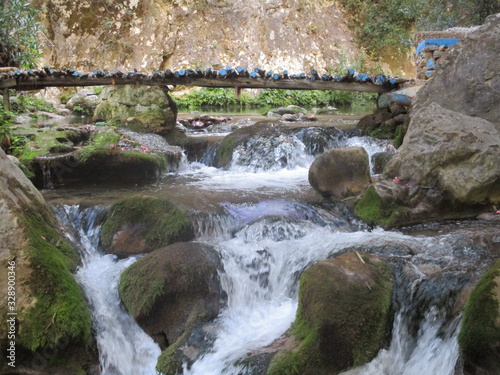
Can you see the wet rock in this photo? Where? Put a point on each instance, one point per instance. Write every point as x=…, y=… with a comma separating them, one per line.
x=42, y=262
x=479, y=337
x=380, y=160
x=84, y=101
x=139, y=108
x=272, y=146
x=171, y=292
x=342, y=318
x=290, y=110
x=140, y=224
x=326, y=111
x=340, y=172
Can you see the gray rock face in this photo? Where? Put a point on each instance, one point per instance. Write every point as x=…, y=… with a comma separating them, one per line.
x=140, y=108
x=468, y=78
x=340, y=172
x=457, y=153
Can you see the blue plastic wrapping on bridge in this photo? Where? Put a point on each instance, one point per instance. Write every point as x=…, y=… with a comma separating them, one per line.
x=438, y=42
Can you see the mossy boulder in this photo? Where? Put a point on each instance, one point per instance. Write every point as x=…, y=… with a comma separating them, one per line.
x=88, y=154
x=479, y=337
x=170, y=292
x=52, y=314
x=343, y=316
x=373, y=210
x=140, y=224
x=140, y=108
x=340, y=172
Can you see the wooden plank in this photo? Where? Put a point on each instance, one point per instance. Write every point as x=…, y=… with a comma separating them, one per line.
x=36, y=83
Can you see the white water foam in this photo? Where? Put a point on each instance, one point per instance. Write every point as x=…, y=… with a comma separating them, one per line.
x=124, y=348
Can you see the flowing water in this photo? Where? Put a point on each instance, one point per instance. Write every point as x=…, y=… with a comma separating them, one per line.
x=266, y=236
x=124, y=348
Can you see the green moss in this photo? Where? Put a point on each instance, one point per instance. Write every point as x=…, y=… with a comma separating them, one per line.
x=100, y=141
x=60, y=313
x=140, y=287
x=479, y=337
x=225, y=151
x=398, y=136
x=372, y=210
x=164, y=223
x=331, y=309
x=168, y=364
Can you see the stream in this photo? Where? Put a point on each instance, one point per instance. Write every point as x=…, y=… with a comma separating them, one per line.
x=262, y=217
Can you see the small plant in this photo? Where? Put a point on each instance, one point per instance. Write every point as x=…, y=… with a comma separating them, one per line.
x=25, y=104
x=6, y=129
x=83, y=111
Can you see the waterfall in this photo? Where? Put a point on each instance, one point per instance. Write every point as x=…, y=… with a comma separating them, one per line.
x=124, y=348
x=262, y=265
x=265, y=238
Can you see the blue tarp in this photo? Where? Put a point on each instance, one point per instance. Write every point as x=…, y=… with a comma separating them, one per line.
x=438, y=42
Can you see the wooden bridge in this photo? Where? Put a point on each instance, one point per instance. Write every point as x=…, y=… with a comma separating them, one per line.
x=238, y=78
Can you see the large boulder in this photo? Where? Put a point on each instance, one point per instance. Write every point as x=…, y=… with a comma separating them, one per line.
x=140, y=108
x=343, y=316
x=88, y=154
x=479, y=337
x=470, y=71
x=448, y=165
x=140, y=224
x=52, y=319
x=458, y=153
x=341, y=172
x=170, y=292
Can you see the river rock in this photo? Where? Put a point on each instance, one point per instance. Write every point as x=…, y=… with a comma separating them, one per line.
x=380, y=160
x=479, y=337
x=342, y=318
x=340, y=172
x=170, y=292
x=140, y=108
x=140, y=224
x=84, y=101
x=452, y=151
x=51, y=312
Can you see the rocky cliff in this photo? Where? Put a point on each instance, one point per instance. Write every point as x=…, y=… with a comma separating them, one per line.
x=150, y=34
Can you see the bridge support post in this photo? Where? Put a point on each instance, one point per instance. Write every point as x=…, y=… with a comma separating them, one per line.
x=6, y=100
x=237, y=92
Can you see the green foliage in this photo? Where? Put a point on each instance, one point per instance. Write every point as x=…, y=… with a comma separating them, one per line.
x=479, y=337
x=97, y=90
x=19, y=29
x=60, y=313
x=218, y=97
x=25, y=104
x=6, y=129
x=387, y=25
x=82, y=110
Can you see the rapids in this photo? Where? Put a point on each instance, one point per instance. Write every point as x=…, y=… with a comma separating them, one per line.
x=266, y=234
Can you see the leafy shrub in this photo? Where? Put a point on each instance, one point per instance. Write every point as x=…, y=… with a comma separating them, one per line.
x=24, y=104
x=19, y=29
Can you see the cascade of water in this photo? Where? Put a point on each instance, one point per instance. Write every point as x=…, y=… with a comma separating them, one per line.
x=124, y=348
x=262, y=265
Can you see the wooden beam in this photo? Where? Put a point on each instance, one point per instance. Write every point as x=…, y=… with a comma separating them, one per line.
x=37, y=83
